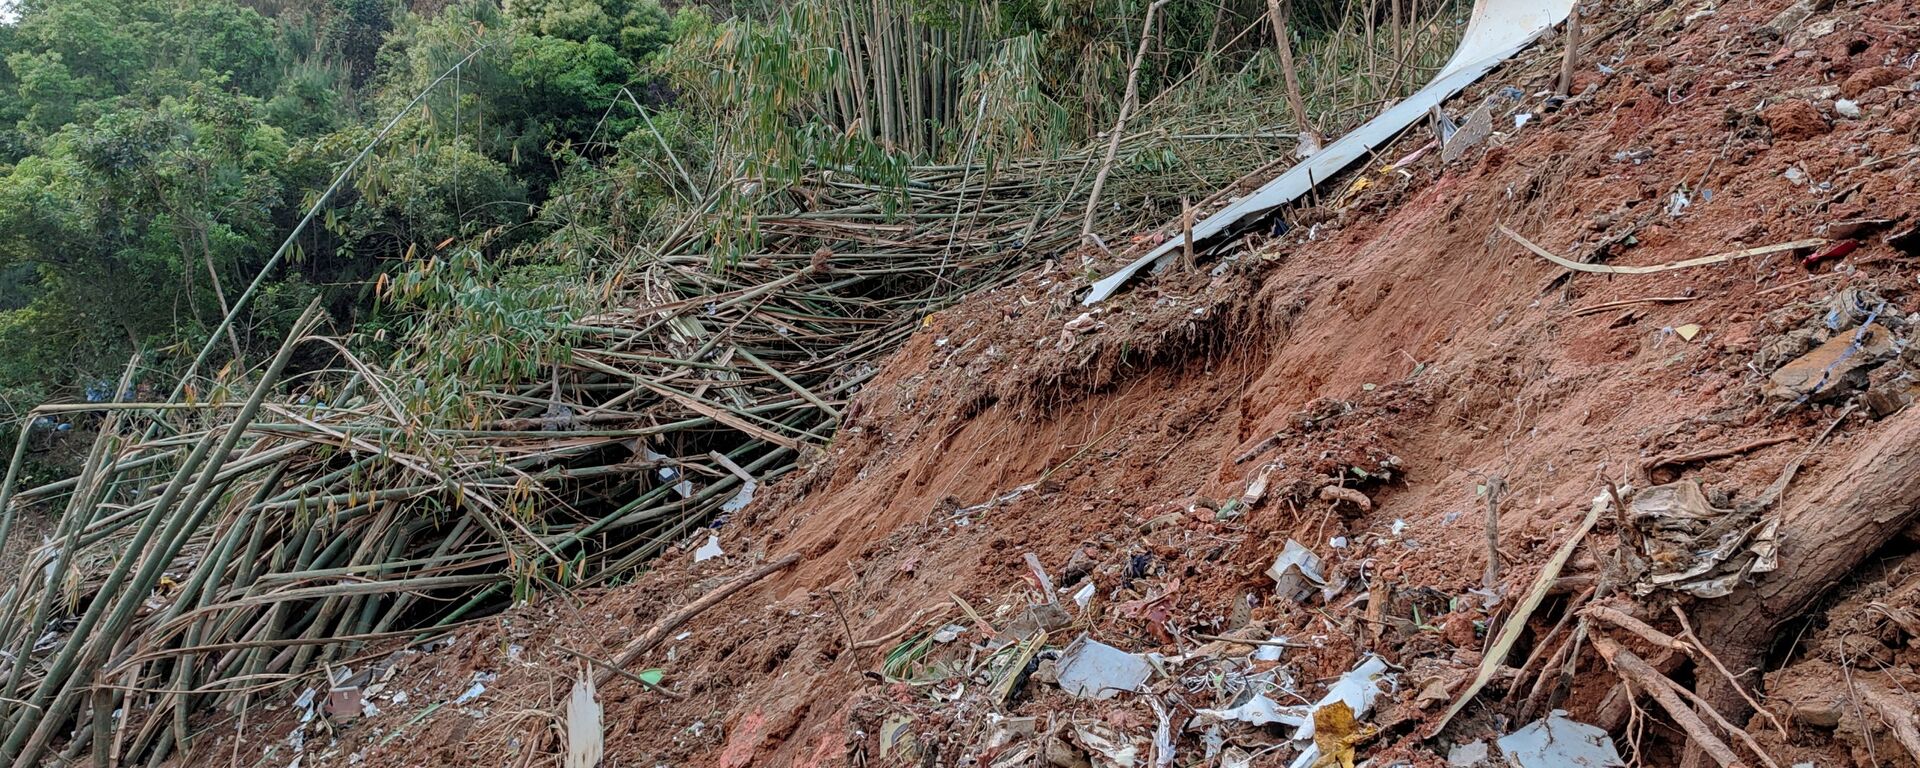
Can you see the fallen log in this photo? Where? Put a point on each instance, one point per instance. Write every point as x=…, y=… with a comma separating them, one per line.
x=1825, y=532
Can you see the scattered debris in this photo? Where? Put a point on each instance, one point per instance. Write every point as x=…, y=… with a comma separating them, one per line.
x=897, y=740
x=344, y=705
x=1502, y=643
x=710, y=550
x=1837, y=250
x=1091, y=669
x=1473, y=131
x=1557, y=742
x=1694, y=547
x=1838, y=364
x=1256, y=490
x=585, y=740
x=1472, y=754
x=479, y=686
x=1355, y=693
x=1335, y=732
x=1084, y=323
x=1296, y=572
x=1260, y=710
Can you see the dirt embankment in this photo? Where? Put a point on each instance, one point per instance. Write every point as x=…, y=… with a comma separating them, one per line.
x=1375, y=368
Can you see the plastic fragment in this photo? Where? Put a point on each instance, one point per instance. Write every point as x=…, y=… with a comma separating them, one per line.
x=1295, y=572
x=480, y=680
x=1260, y=710
x=1091, y=669
x=708, y=551
x=1558, y=742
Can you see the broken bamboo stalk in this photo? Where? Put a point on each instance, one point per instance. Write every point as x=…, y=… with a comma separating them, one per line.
x=1120, y=123
x=1277, y=14
x=1517, y=621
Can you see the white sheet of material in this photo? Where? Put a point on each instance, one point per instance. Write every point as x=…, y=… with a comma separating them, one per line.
x=1497, y=30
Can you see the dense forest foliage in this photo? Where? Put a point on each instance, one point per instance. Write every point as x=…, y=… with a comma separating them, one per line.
x=154, y=153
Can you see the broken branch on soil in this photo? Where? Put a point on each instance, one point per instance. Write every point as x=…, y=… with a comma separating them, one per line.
x=652, y=637
x=609, y=667
x=1645, y=631
x=1679, y=459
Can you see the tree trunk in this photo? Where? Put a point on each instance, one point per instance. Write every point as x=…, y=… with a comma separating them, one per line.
x=1824, y=534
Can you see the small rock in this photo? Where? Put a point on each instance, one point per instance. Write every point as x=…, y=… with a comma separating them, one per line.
x=1857, y=84
x=1794, y=120
x=1817, y=713
x=1046, y=671
x=1882, y=403
x=1847, y=108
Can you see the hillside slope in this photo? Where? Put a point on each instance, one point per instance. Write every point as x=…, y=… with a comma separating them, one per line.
x=1392, y=346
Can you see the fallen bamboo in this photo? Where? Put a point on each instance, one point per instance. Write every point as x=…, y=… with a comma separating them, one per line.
x=1516, y=622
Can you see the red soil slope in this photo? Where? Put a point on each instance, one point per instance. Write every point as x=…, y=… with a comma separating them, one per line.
x=1401, y=348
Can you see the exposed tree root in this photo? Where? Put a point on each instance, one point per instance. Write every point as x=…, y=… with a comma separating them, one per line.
x=1644, y=677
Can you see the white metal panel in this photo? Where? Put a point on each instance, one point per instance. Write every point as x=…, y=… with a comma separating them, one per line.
x=1496, y=31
